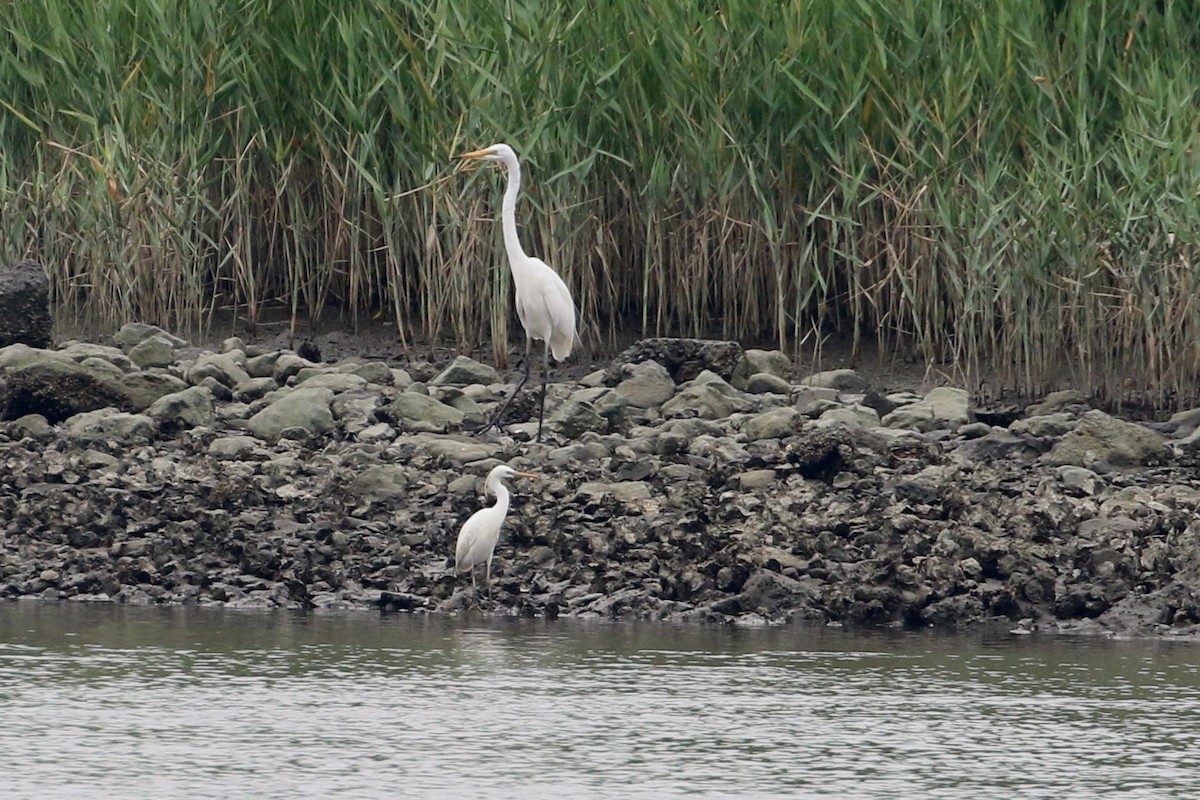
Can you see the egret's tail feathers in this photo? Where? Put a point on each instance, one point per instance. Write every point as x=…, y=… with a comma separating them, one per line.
x=560, y=345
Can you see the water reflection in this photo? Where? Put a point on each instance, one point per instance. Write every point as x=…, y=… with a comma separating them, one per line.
x=135, y=702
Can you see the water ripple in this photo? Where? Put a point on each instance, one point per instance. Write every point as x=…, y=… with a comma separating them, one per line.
x=123, y=703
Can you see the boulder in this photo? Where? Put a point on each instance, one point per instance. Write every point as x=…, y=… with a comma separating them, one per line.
x=132, y=334
x=852, y=416
x=375, y=372
x=766, y=383
x=775, y=423
x=684, y=359
x=463, y=371
x=59, y=388
x=380, y=483
x=761, y=362
x=420, y=412
x=842, y=380
x=707, y=396
x=25, y=305
x=108, y=423
x=189, y=408
x=943, y=407
x=306, y=410
x=287, y=364
x=337, y=382
x=33, y=425
x=646, y=384
x=1099, y=437
x=223, y=367
x=607, y=402
x=153, y=351
x=1057, y=401
x=231, y=447
x=576, y=416
x=85, y=352
x=456, y=452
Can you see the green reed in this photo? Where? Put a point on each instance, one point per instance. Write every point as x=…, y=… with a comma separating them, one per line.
x=1003, y=190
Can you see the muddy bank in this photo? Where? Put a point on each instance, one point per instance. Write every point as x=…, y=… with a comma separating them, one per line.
x=686, y=480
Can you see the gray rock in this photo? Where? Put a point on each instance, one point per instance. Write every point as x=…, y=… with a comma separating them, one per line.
x=463, y=370
x=1184, y=423
x=21, y=355
x=190, y=408
x=943, y=407
x=254, y=389
x=103, y=365
x=286, y=365
x=1042, y=426
x=803, y=396
x=1100, y=438
x=684, y=359
x=420, y=412
x=1056, y=401
x=25, y=305
x=454, y=397
x=773, y=424
x=106, y=423
x=766, y=383
x=381, y=483
x=997, y=445
x=153, y=351
x=218, y=390
x=646, y=384
x=842, y=380
x=575, y=416
x=222, y=367
x=1079, y=479
x=58, y=388
x=379, y=432
x=133, y=333
x=607, y=402
x=375, y=372
x=852, y=416
x=33, y=425
x=337, y=382
x=143, y=388
x=762, y=362
x=456, y=452
x=231, y=447
x=263, y=365
x=755, y=479
x=771, y=593
x=83, y=351
x=707, y=396
x=304, y=409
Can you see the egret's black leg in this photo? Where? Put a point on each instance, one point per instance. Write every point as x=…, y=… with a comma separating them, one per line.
x=545, y=378
x=495, y=421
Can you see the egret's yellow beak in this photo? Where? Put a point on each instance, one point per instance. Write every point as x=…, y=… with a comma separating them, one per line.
x=525, y=475
x=477, y=153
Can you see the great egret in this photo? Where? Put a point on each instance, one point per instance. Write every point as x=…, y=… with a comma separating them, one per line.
x=544, y=303
x=477, y=539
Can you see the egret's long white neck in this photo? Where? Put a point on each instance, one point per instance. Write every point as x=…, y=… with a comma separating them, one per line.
x=501, y=491
x=508, y=214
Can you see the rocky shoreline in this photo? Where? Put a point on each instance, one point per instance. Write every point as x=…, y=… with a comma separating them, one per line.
x=687, y=480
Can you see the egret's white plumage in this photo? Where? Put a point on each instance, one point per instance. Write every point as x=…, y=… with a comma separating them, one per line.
x=477, y=539
x=544, y=303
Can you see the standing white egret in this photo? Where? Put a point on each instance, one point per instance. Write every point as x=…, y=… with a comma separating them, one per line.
x=544, y=303
x=477, y=539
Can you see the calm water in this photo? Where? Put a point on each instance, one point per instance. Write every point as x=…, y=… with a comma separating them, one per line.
x=114, y=702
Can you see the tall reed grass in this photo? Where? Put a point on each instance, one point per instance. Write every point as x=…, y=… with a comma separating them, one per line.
x=1006, y=190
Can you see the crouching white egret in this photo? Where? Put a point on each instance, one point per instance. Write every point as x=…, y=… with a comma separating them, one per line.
x=544, y=303
x=477, y=539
